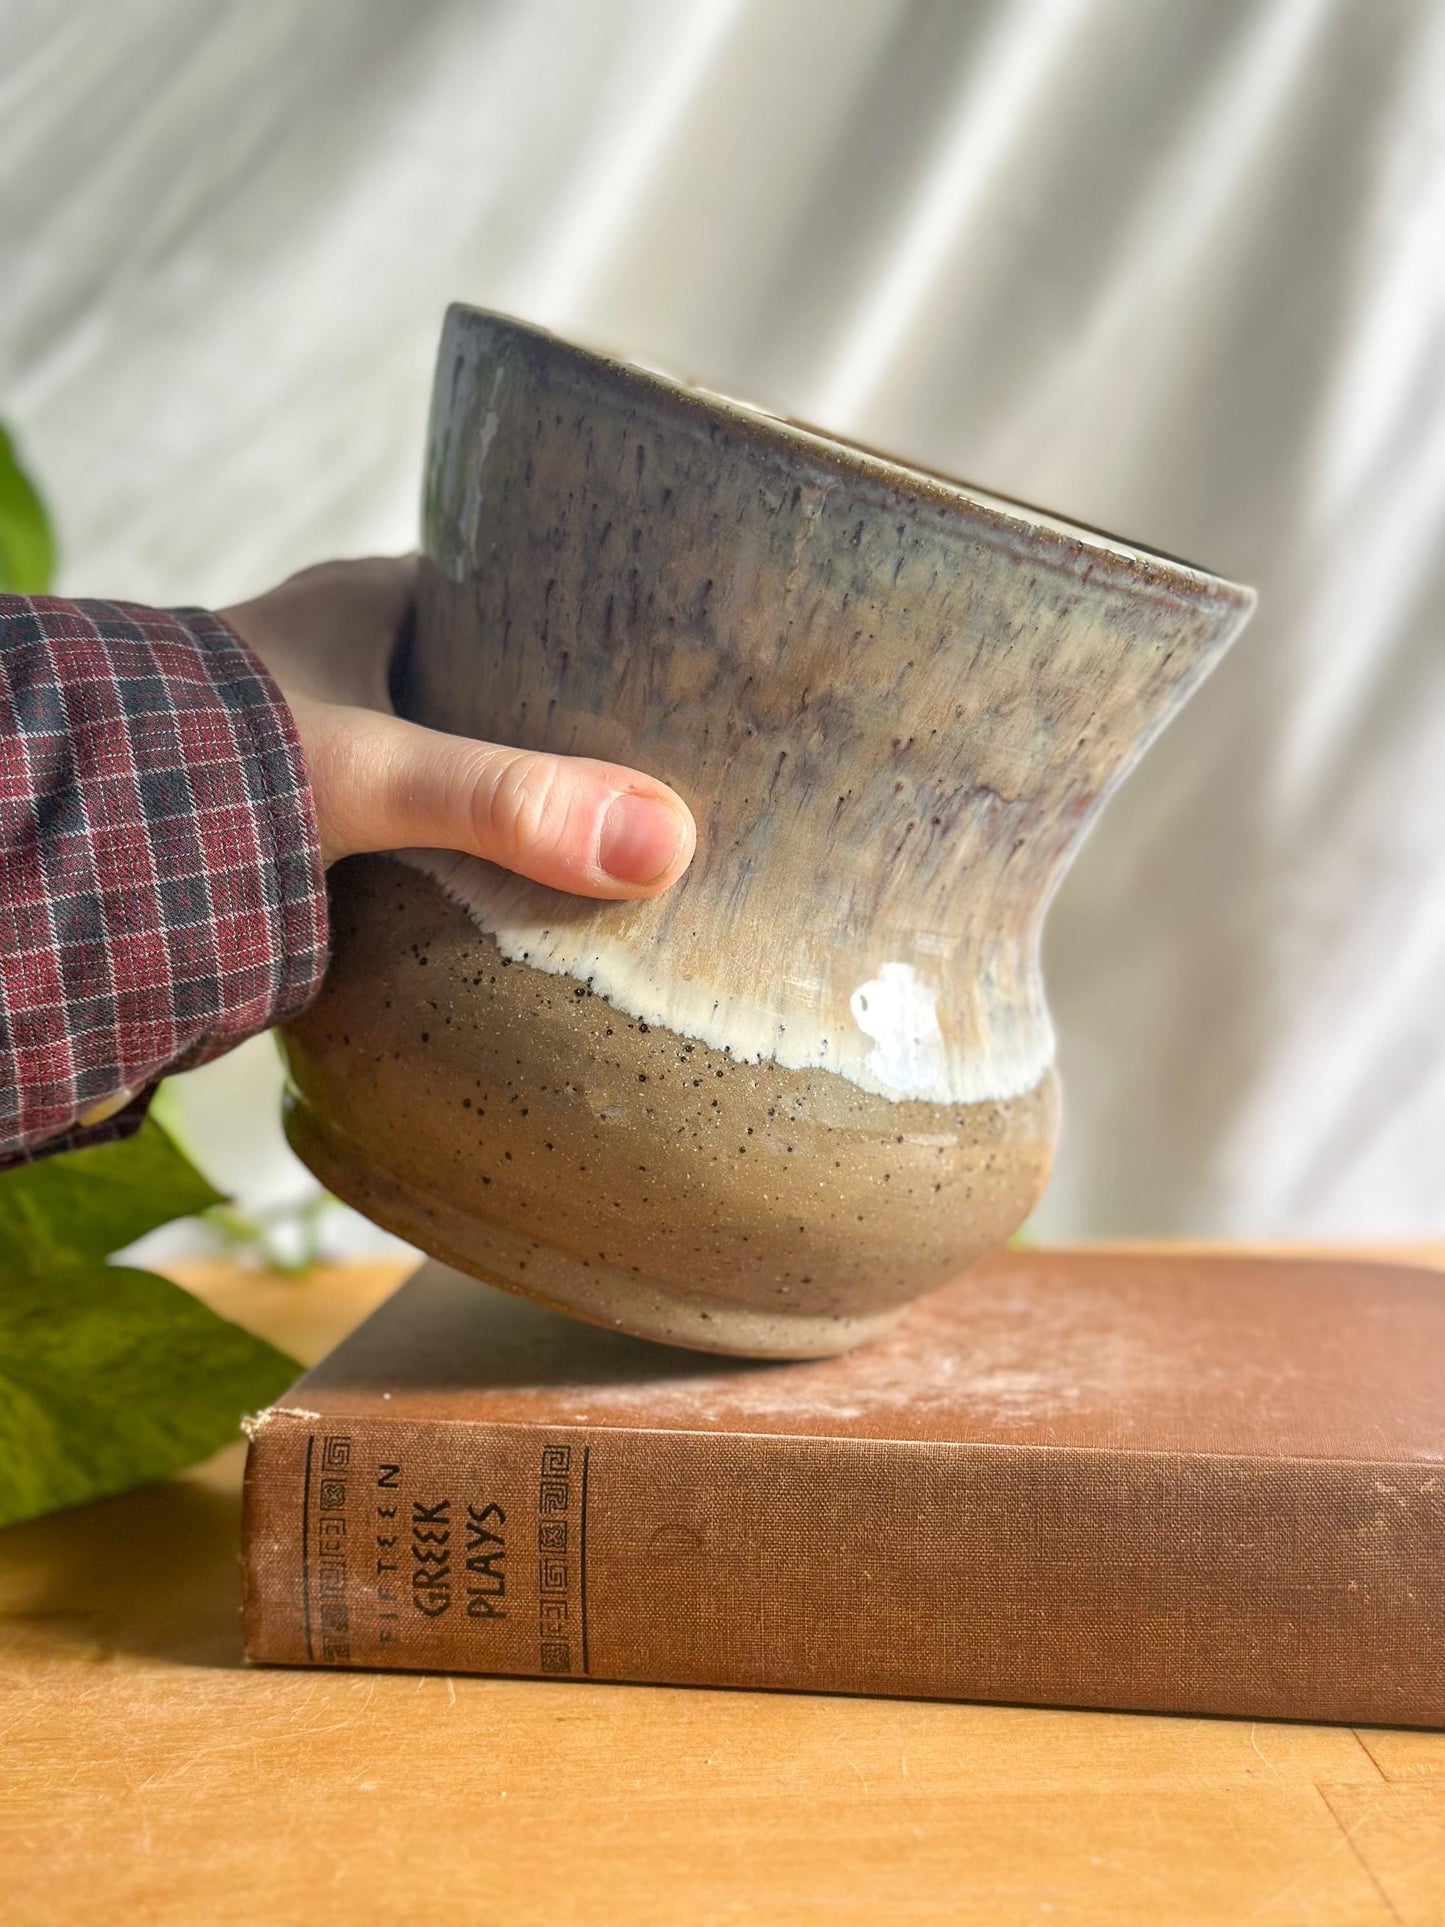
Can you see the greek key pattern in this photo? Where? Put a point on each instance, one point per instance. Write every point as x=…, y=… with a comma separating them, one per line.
x=558, y=1620
x=331, y=1550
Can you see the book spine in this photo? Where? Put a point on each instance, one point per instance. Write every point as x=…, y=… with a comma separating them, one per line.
x=1294, y=1590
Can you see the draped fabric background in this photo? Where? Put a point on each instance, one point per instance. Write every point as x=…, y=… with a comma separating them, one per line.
x=1176, y=270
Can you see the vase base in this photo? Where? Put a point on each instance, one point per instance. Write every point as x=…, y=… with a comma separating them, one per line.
x=583, y=1288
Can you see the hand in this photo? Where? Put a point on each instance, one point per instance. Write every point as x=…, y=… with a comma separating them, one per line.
x=328, y=637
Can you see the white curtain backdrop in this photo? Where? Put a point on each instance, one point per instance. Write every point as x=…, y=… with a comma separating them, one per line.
x=1176, y=270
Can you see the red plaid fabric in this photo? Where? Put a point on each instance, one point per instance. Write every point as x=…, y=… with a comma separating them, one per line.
x=161, y=889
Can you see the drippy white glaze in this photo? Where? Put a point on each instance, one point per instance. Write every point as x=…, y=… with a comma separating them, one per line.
x=894, y=1045
x=899, y=1011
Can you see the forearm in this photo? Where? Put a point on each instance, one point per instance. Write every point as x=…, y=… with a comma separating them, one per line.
x=161, y=887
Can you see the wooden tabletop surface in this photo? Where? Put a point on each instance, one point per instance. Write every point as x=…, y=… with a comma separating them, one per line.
x=147, y=1776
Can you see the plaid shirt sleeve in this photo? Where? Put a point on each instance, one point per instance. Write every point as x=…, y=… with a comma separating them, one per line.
x=162, y=895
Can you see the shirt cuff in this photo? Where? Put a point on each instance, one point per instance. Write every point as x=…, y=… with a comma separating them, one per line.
x=162, y=893
x=279, y=910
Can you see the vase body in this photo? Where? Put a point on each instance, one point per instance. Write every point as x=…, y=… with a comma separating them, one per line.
x=814, y=1080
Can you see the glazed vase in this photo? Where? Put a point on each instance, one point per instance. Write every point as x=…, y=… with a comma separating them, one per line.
x=763, y=1112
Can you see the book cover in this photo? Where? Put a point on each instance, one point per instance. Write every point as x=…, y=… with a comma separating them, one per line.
x=1184, y=1484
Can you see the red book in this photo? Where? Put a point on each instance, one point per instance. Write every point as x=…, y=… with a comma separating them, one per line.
x=1180, y=1484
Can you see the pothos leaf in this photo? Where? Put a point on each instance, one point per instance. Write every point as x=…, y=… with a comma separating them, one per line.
x=87, y=1204
x=27, y=544
x=110, y=1377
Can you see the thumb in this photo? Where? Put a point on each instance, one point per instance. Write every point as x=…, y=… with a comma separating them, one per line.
x=597, y=829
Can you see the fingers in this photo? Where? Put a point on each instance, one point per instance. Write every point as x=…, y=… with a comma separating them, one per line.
x=328, y=636
x=597, y=829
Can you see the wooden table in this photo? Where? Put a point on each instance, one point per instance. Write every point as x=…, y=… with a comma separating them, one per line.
x=146, y=1776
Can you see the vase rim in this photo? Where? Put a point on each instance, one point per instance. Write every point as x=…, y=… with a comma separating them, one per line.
x=1145, y=566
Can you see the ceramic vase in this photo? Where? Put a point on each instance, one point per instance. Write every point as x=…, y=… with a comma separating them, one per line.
x=763, y=1112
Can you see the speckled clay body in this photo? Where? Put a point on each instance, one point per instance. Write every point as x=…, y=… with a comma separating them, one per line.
x=814, y=1080
x=516, y=1124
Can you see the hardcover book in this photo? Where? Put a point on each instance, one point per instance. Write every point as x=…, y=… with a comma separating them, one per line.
x=1181, y=1484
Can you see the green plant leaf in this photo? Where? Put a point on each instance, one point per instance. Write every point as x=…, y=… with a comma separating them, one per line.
x=110, y=1378
x=87, y=1204
x=27, y=543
